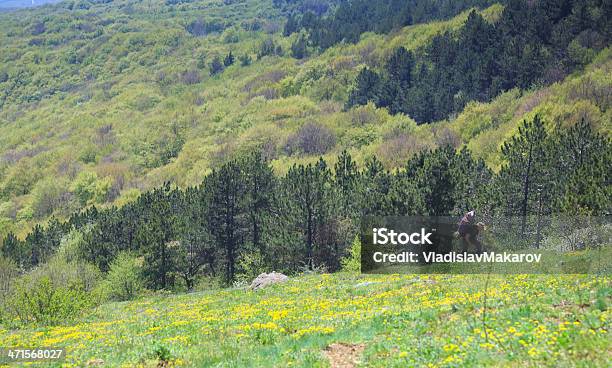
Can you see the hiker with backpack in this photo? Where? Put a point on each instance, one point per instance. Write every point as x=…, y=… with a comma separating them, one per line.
x=468, y=231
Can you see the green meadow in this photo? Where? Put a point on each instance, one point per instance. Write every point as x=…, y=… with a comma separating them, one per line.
x=389, y=321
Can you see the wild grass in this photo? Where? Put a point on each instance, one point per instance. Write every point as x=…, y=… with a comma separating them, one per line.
x=402, y=320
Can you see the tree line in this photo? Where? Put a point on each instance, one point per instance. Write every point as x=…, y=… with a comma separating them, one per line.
x=349, y=19
x=244, y=219
x=533, y=43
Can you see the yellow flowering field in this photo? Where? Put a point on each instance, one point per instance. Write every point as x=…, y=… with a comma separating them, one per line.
x=400, y=320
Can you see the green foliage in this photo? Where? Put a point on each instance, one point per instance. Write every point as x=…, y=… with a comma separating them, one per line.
x=124, y=279
x=89, y=189
x=545, y=173
x=70, y=247
x=216, y=66
x=367, y=87
x=155, y=237
x=56, y=115
x=311, y=139
x=84, y=134
x=243, y=219
x=268, y=48
x=299, y=47
x=251, y=264
x=584, y=157
x=352, y=18
x=352, y=262
x=308, y=197
x=229, y=59
x=572, y=238
x=327, y=308
x=55, y=293
x=482, y=60
x=162, y=353
x=48, y=196
x=245, y=60
x=8, y=273
x=225, y=216
x=15, y=250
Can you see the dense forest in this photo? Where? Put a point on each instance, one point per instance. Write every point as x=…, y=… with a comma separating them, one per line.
x=350, y=19
x=531, y=44
x=243, y=219
x=84, y=121
x=6, y=5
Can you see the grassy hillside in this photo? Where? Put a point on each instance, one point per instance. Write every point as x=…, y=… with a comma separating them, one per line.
x=129, y=103
x=384, y=321
x=584, y=95
x=102, y=101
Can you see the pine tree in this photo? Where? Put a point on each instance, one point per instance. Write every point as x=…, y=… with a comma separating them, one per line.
x=399, y=67
x=216, y=66
x=245, y=59
x=525, y=173
x=158, y=235
x=348, y=183
x=229, y=59
x=472, y=179
x=260, y=198
x=376, y=187
x=583, y=170
x=13, y=249
x=37, y=246
x=299, y=47
x=308, y=196
x=435, y=179
x=227, y=212
x=367, y=88
x=291, y=26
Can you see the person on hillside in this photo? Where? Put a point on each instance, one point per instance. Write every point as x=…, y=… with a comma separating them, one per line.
x=468, y=231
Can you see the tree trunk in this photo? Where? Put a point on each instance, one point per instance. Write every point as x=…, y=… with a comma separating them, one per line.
x=309, y=239
x=526, y=191
x=163, y=265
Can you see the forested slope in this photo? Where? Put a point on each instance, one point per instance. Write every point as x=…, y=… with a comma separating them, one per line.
x=103, y=100
x=180, y=145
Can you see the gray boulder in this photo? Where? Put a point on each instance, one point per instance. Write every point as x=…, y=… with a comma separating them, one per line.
x=266, y=279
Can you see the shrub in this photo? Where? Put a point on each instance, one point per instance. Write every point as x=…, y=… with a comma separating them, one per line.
x=8, y=272
x=396, y=150
x=311, y=139
x=124, y=278
x=54, y=293
x=569, y=238
x=245, y=59
x=47, y=196
x=229, y=59
x=251, y=264
x=191, y=77
x=298, y=48
x=70, y=246
x=352, y=262
x=216, y=66
x=268, y=47
x=162, y=354
x=200, y=27
x=89, y=189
